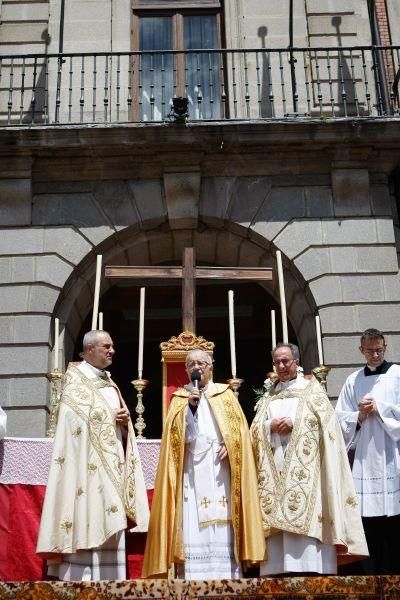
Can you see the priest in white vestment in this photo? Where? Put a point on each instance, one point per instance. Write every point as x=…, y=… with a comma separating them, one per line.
x=308, y=503
x=205, y=517
x=3, y=423
x=368, y=409
x=95, y=481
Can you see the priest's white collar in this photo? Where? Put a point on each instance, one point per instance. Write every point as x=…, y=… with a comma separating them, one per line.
x=283, y=385
x=297, y=382
x=93, y=369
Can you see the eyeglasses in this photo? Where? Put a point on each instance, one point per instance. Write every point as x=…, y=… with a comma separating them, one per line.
x=197, y=363
x=284, y=361
x=373, y=351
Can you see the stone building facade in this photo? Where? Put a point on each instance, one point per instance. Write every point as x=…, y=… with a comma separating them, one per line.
x=323, y=191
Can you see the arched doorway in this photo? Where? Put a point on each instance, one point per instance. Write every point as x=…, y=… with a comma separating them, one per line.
x=253, y=301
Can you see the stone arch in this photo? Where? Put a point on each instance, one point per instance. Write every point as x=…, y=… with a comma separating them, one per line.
x=226, y=245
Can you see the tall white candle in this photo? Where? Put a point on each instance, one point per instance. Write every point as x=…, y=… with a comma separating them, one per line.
x=285, y=338
x=141, y=333
x=101, y=321
x=273, y=329
x=319, y=340
x=56, y=341
x=96, y=292
x=232, y=333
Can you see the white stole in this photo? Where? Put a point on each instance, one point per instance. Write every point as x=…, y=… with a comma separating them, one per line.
x=211, y=476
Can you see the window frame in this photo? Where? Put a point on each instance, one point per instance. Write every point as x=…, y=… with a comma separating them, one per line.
x=177, y=10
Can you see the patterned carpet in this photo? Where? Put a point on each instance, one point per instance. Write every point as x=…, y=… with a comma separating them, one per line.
x=290, y=588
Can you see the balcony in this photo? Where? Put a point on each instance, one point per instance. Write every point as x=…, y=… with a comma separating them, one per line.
x=219, y=85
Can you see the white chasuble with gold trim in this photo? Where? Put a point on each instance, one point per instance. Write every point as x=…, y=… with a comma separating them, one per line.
x=93, y=486
x=311, y=492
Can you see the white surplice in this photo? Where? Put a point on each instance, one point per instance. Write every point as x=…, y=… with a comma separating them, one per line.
x=207, y=528
x=289, y=552
x=108, y=561
x=376, y=467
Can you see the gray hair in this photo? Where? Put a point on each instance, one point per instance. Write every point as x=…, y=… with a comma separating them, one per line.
x=292, y=347
x=207, y=357
x=92, y=337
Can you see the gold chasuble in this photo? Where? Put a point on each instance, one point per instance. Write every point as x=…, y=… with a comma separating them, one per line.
x=91, y=488
x=165, y=544
x=314, y=493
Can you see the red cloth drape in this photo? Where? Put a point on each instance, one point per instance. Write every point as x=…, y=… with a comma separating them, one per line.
x=176, y=377
x=135, y=544
x=21, y=506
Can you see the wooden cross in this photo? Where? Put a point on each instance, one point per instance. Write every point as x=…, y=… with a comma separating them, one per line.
x=188, y=273
x=205, y=502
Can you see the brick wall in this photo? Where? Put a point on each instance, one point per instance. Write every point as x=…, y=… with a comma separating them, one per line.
x=383, y=22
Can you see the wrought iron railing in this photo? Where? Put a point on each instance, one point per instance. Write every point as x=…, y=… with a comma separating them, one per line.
x=105, y=88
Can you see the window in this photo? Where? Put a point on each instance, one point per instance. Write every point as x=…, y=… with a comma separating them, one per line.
x=168, y=35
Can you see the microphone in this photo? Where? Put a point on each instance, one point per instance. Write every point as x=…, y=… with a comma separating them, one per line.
x=195, y=378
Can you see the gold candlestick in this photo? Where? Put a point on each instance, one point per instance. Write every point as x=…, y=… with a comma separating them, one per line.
x=56, y=378
x=139, y=385
x=235, y=384
x=321, y=373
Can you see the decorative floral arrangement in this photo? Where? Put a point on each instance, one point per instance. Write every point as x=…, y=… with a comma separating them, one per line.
x=259, y=392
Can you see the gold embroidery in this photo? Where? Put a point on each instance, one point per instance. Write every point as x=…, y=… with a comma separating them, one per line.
x=215, y=522
x=351, y=501
x=98, y=415
x=94, y=410
x=177, y=436
x=287, y=499
x=112, y=509
x=223, y=501
x=80, y=491
x=102, y=382
x=131, y=483
x=60, y=461
x=300, y=474
x=205, y=502
x=320, y=518
x=294, y=501
x=77, y=431
x=227, y=420
x=66, y=524
x=85, y=399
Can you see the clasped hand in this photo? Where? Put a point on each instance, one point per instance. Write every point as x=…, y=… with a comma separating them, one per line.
x=194, y=397
x=366, y=407
x=122, y=416
x=222, y=451
x=283, y=426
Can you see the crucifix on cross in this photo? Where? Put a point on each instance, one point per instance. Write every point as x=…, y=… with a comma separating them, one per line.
x=188, y=273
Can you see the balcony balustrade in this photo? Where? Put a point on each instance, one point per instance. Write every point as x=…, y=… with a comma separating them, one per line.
x=219, y=85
